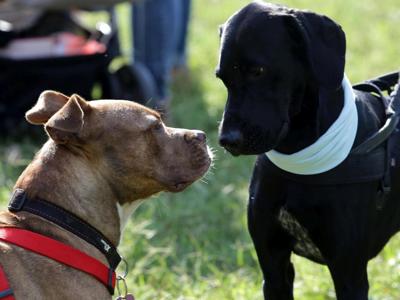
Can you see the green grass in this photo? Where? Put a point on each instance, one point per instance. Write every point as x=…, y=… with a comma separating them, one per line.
x=195, y=245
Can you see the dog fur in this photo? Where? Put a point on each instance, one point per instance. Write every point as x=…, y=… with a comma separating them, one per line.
x=102, y=159
x=283, y=69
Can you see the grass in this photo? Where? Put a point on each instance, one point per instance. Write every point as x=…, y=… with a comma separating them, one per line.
x=195, y=245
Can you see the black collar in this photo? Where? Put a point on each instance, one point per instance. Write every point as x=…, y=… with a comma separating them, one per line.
x=58, y=215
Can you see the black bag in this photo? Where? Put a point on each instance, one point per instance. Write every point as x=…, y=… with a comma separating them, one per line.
x=22, y=81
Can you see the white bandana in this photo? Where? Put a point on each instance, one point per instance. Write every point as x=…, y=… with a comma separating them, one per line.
x=330, y=149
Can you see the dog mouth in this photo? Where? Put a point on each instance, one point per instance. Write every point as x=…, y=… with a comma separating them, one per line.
x=233, y=151
x=199, y=166
x=255, y=141
x=179, y=186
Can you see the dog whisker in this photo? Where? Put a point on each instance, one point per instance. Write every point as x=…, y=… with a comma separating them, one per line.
x=204, y=181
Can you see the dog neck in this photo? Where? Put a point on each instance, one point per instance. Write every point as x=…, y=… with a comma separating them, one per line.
x=319, y=111
x=331, y=148
x=69, y=180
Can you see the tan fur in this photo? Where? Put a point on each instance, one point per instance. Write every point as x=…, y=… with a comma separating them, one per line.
x=48, y=104
x=100, y=153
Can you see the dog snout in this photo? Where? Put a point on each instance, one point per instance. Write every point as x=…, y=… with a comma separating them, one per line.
x=195, y=135
x=231, y=139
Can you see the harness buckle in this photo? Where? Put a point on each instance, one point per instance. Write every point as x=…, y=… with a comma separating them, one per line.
x=123, y=293
x=17, y=201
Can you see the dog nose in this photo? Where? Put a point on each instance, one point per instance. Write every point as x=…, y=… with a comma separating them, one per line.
x=197, y=135
x=200, y=136
x=230, y=139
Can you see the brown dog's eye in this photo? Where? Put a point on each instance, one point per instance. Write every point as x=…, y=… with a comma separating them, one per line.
x=256, y=72
x=157, y=126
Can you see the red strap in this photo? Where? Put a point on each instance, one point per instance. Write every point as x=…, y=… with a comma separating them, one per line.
x=6, y=292
x=60, y=252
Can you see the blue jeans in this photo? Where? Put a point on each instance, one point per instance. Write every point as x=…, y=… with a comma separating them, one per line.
x=180, y=54
x=159, y=38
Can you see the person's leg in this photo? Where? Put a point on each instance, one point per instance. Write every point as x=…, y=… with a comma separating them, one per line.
x=154, y=27
x=181, y=55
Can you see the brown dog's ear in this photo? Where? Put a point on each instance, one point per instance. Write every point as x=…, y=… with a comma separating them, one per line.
x=48, y=104
x=67, y=123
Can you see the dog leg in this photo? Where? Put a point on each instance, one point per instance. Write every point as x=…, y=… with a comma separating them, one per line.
x=350, y=279
x=273, y=248
x=273, y=245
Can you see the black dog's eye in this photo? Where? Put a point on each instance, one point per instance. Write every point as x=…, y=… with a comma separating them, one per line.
x=256, y=72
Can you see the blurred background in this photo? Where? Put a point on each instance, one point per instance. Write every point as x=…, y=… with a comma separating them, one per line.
x=195, y=244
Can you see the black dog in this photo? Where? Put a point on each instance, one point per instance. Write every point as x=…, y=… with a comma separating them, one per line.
x=283, y=69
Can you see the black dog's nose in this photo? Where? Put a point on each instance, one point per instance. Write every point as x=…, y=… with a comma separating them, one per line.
x=231, y=139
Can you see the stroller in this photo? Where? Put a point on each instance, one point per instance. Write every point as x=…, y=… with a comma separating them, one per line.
x=57, y=52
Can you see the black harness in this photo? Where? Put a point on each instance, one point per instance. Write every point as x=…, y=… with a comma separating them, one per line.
x=370, y=160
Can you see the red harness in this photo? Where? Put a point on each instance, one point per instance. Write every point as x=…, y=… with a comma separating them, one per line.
x=57, y=251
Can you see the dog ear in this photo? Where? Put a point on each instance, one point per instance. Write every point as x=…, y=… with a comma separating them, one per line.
x=221, y=29
x=325, y=46
x=67, y=123
x=48, y=104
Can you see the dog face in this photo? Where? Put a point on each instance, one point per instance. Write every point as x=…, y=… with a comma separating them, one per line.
x=270, y=57
x=128, y=144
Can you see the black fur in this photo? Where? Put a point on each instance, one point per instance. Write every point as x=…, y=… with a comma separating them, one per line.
x=283, y=70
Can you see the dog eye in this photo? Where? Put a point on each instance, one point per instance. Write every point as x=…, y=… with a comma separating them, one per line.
x=157, y=126
x=256, y=72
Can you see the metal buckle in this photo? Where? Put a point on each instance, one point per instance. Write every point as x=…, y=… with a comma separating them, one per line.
x=122, y=289
x=122, y=292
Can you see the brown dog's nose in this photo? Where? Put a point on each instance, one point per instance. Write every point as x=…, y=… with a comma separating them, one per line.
x=195, y=135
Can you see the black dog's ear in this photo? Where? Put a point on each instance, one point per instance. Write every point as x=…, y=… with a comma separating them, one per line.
x=325, y=46
x=221, y=29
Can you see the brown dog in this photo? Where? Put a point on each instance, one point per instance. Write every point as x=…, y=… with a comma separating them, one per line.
x=102, y=158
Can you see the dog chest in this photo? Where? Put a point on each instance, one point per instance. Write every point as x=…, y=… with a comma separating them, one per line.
x=303, y=246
